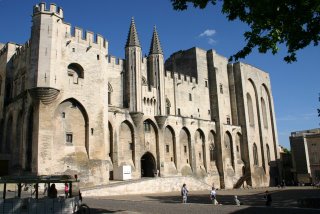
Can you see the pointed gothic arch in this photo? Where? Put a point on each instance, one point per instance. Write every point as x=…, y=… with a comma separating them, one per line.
x=72, y=124
x=127, y=143
x=170, y=145
x=212, y=147
x=185, y=145
x=151, y=139
x=228, y=146
x=200, y=148
x=269, y=104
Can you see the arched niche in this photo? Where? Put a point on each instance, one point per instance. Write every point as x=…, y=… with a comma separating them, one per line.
x=126, y=143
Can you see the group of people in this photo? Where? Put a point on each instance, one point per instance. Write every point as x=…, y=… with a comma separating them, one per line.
x=213, y=196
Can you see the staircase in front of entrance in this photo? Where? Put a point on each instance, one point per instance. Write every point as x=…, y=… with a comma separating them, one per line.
x=146, y=185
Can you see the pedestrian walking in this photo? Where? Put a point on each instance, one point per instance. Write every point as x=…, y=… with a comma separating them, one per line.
x=213, y=196
x=66, y=190
x=45, y=188
x=184, y=193
x=237, y=201
x=268, y=198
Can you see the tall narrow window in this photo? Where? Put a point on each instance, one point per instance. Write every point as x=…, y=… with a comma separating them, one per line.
x=167, y=148
x=179, y=112
x=190, y=97
x=168, y=105
x=206, y=83
x=228, y=120
x=110, y=90
x=147, y=126
x=212, y=156
x=264, y=113
x=221, y=88
x=250, y=110
x=268, y=153
x=255, y=155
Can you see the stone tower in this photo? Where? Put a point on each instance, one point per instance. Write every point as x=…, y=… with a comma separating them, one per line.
x=156, y=71
x=132, y=90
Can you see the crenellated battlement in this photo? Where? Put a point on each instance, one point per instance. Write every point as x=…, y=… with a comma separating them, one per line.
x=115, y=62
x=4, y=49
x=21, y=50
x=52, y=10
x=180, y=77
x=88, y=37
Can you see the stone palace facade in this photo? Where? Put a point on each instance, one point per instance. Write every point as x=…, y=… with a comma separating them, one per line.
x=68, y=107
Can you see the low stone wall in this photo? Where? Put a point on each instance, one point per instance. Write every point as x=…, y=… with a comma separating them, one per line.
x=143, y=186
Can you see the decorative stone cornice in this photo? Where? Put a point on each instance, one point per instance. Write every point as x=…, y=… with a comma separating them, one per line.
x=136, y=117
x=161, y=120
x=45, y=94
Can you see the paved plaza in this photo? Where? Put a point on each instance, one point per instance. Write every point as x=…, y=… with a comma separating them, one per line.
x=284, y=201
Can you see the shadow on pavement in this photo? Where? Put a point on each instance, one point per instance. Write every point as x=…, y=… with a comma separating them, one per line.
x=280, y=197
x=261, y=210
x=98, y=210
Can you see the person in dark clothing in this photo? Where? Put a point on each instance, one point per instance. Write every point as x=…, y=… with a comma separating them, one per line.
x=53, y=193
x=268, y=198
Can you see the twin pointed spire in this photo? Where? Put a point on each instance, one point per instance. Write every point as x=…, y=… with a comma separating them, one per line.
x=133, y=40
x=155, y=47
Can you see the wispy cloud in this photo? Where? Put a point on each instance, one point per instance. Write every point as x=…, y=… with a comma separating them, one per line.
x=212, y=41
x=208, y=33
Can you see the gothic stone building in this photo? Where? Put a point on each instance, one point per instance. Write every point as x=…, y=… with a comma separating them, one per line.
x=68, y=107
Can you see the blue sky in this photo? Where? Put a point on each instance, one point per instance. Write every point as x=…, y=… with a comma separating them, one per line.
x=295, y=86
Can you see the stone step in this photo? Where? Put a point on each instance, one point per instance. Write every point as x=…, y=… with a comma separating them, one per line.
x=146, y=186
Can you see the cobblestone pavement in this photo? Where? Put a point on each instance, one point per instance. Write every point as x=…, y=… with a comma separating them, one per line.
x=284, y=201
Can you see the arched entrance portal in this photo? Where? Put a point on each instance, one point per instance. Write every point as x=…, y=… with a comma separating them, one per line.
x=148, y=165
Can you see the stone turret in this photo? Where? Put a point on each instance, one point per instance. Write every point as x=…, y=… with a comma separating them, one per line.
x=156, y=72
x=46, y=23
x=132, y=91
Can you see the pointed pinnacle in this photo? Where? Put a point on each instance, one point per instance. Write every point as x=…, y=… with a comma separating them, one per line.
x=132, y=39
x=155, y=47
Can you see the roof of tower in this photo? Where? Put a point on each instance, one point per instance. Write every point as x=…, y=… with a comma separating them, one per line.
x=155, y=47
x=133, y=39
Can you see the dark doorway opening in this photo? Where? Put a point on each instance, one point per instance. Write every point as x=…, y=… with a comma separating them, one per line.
x=148, y=165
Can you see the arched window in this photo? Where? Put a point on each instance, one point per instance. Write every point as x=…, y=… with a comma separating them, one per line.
x=264, y=113
x=212, y=152
x=168, y=105
x=250, y=110
x=110, y=90
x=268, y=153
x=76, y=71
x=255, y=155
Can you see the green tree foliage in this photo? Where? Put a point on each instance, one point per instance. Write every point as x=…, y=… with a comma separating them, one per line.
x=294, y=23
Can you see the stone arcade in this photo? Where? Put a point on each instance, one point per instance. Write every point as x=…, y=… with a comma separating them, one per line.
x=68, y=107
